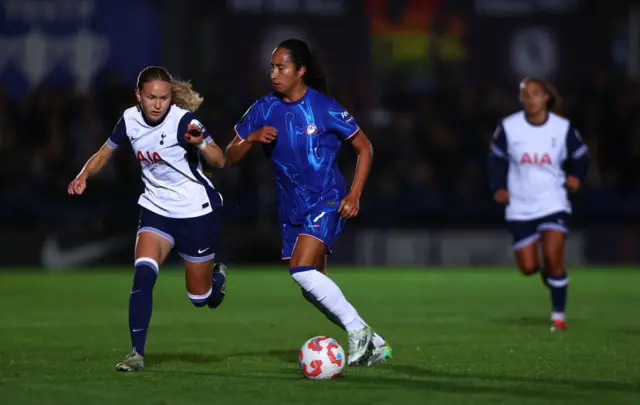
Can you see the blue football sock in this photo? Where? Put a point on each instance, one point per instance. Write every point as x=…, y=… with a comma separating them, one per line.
x=217, y=283
x=558, y=287
x=141, y=302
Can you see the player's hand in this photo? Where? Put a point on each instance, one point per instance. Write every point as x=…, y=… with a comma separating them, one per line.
x=349, y=207
x=573, y=183
x=263, y=135
x=77, y=186
x=501, y=196
x=193, y=135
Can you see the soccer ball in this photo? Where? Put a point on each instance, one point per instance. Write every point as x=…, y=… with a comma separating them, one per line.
x=321, y=358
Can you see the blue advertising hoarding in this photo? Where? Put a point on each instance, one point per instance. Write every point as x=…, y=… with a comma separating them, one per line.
x=59, y=42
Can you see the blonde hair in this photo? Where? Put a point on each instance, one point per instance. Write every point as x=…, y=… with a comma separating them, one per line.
x=184, y=96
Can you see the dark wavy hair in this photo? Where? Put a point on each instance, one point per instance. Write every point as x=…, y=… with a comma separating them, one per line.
x=302, y=55
x=555, y=101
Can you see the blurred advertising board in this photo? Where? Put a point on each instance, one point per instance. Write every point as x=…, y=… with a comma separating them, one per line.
x=336, y=29
x=59, y=42
x=63, y=251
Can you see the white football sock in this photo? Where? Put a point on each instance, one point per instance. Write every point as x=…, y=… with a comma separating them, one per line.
x=327, y=293
x=377, y=339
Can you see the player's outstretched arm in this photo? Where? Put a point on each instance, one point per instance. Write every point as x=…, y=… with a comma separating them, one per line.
x=91, y=168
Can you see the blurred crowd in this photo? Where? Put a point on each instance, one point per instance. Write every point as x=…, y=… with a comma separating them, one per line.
x=429, y=163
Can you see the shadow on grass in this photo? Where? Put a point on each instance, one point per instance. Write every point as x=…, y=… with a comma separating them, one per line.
x=385, y=377
x=576, y=384
x=536, y=321
x=288, y=356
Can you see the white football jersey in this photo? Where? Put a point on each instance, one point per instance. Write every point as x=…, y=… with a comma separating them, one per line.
x=536, y=154
x=175, y=185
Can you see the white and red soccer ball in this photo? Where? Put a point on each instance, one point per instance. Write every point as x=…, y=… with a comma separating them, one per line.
x=321, y=358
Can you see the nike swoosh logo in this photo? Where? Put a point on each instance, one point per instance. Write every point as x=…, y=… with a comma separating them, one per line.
x=202, y=251
x=137, y=330
x=53, y=257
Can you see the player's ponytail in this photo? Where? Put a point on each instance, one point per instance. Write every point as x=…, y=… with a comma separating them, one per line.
x=316, y=76
x=555, y=101
x=182, y=94
x=302, y=55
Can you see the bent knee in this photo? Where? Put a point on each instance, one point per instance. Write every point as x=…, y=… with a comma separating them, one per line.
x=529, y=269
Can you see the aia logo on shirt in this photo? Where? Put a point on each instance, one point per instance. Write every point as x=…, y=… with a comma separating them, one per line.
x=148, y=157
x=535, y=159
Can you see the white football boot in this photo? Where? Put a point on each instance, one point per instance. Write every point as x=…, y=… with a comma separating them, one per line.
x=133, y=362
x=360, y=346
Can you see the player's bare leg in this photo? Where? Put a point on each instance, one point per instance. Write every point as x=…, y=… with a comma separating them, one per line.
x=205, y=282
x=151, y=251
x=557, y=280
x=382, y=349
x=308, y=255
x=528, y=259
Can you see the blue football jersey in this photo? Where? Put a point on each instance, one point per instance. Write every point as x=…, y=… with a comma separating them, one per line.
x=310, y=132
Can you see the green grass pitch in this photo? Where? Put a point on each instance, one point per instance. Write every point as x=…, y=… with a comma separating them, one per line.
x=460, y=336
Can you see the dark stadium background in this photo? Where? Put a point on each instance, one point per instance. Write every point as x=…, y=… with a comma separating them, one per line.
x=427, y=81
